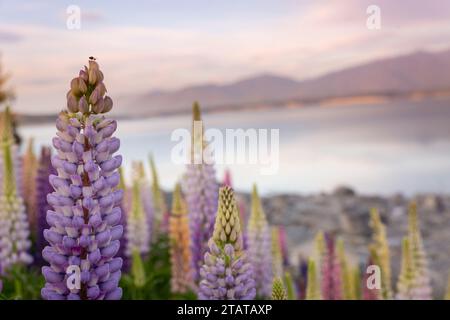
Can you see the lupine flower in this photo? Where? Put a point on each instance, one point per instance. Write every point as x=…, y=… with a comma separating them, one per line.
x=422, y=288
x=320, y=250
x=290, y=287
x=14, y=227
x=312, y=284
x=201, y=190
x=138, y=226
x=331, y=280
x=226, y=275
x=278, y=290
x=159, y=204
x=30, y=166
x=123, y=222
x=180, y=251
x=259, y=247
x=85, y=228
x=405, y=282
x=43, y=188
x=417, y=288
x=381, y=248
x=17, y=165
x=277, y=258
x=346, y=273
x=137, y=269
x=228, y=181
x=370, y=293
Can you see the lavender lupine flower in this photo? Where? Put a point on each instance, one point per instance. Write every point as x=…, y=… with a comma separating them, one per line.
x=201, y=190
x=43, y=188
x=260, y=247
x=30, y=166
x=14, y=227
x=226, y=275
x=138, y=226
x=84, y=224
x=123, y=222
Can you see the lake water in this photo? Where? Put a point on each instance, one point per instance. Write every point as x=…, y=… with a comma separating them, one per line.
x=377, y=149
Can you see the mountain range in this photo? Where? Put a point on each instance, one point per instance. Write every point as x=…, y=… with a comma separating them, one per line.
x=416, y=72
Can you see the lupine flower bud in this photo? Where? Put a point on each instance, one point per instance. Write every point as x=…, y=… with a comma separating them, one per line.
x=381, y=249
x=83, y=105
x=201, y=190
x=259, y=247
x=84, y=222
x=180, y=251
x=14, y=226
x=225, y=274
x=278, y=290
x=72, y=103
x=108, y=103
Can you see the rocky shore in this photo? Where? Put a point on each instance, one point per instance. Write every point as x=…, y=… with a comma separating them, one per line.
x=346, y=214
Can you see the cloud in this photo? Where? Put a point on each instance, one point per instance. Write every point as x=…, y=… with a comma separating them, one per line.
x=318, y=37
x=9, y=37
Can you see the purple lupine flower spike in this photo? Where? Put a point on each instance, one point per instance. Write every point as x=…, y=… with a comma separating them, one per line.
x=43, y=188
x=201, y=190
x=84, y=222
x=14, y=226
x=226, y=274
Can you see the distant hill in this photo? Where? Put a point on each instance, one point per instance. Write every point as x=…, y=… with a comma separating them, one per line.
x=418, y=71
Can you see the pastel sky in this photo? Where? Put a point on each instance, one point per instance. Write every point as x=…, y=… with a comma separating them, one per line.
x=151, y=45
